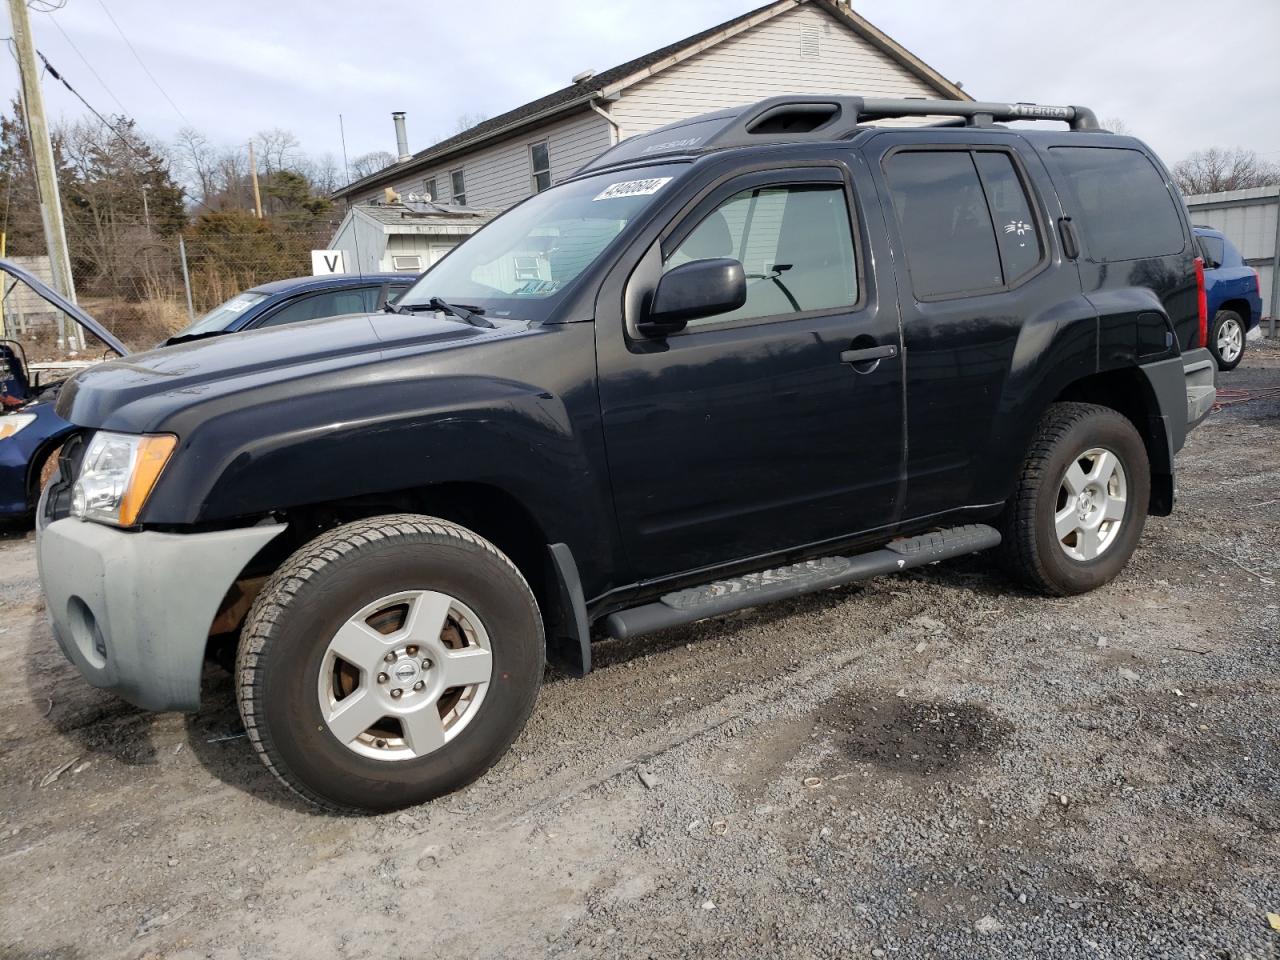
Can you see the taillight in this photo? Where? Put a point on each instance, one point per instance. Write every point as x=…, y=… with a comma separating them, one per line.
x=1202, y=303
x=1257, y=283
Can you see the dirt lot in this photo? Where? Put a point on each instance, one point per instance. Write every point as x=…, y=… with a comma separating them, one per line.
x=931, y=766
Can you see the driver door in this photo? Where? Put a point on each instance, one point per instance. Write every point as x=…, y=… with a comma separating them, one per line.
x=754, y=431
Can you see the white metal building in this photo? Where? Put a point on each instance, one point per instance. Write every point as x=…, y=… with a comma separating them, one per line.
x=1250, y=219
x=404, y=237
x=786, y=46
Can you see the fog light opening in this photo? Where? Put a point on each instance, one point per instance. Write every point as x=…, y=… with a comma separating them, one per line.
x=86, y=633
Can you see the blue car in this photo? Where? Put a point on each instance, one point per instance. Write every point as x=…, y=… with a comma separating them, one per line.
x=29, y=429
x=301, y=298
x=1234, y=298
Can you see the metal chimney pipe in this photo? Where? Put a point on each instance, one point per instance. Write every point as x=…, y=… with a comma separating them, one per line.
x=402, y=138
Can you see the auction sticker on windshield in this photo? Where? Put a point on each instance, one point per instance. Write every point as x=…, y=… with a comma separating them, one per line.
x=632, y=188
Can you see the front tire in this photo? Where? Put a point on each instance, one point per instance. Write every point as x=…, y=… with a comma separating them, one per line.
x=1081, y=501
x=1227, y=339
x=388, y=662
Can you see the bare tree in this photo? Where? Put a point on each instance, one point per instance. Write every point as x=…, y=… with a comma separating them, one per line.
x=277, y=149
x=1117, y=126
x=466, y=121
x=1218, y=169
x=369, y=163
x=324, y=173
x=196, y=160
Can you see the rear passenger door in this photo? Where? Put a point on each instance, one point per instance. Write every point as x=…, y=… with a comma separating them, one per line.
x=983, y=292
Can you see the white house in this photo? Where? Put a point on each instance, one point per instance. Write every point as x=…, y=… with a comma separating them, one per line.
x=788, y=46
x=406, y=237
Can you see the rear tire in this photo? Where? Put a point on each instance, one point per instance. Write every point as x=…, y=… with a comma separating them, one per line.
x=357, y=669
x=1081, y=501
x=1227, y=339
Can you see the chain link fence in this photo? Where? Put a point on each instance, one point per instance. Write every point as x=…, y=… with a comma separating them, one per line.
x=143, y=286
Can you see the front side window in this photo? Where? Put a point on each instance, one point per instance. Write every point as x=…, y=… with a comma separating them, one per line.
x=459, y=184
x=520, y=263
x=795, y=245
x=429, y=188
x=331, y=303
x=1120, y=202
x=540, y=165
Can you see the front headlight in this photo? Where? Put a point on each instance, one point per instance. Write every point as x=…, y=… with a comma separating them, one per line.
x=117, y=474
x=15, y=423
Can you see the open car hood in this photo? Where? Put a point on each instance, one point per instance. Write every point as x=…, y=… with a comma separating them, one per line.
x=65, y=305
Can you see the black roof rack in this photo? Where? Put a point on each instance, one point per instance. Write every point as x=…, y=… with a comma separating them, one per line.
x=792, y=119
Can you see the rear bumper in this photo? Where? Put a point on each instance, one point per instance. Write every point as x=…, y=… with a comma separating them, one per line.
x=132, y=610
x=1199, y=373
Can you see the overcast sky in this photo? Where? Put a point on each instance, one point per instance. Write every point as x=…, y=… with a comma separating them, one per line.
x=1181, y=75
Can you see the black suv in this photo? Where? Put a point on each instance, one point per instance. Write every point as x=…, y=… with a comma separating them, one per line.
x=762, y=352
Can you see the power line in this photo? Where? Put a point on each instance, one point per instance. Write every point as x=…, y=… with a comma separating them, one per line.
x=149, y=161
x=129, y=44
x=85, y=61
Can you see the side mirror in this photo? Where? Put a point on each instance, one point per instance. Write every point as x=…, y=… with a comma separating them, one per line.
x=699, y=288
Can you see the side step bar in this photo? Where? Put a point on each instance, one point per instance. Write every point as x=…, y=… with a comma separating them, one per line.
x=752, y=589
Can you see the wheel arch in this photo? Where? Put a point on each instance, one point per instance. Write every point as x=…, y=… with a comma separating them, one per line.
x=1240, y=307
x=1130, y=394
x=486, y=509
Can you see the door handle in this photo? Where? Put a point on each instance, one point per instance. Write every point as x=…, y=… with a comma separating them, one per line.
x=868, y=354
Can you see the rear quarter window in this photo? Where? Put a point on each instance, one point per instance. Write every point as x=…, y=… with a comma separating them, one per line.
x=1119, y=201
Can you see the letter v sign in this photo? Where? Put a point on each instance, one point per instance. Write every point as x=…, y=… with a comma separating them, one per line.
x=325, y=263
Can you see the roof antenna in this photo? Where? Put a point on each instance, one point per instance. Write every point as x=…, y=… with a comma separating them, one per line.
x=355, y=234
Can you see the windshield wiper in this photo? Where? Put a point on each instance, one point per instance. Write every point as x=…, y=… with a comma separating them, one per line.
x=465, y=313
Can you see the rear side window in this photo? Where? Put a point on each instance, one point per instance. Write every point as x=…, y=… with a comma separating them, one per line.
x=1215, y=251
x=1120, y=202
x=1016, y=233
x=946, y=218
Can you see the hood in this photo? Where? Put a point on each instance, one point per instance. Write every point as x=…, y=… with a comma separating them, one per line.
x=137, y=392
x=65, y=305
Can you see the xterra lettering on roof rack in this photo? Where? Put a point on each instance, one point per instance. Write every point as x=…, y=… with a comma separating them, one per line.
x=823, y=118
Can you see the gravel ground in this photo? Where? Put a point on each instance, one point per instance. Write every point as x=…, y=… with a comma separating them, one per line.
x=936, y=765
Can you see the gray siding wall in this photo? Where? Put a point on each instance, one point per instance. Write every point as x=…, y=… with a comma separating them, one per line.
x=1248, y=217
x=500, y=176
x=765, y=61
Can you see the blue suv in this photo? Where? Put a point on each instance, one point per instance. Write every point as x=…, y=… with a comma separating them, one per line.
x=1234, y=297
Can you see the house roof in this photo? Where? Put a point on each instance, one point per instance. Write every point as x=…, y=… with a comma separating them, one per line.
x=426, y=214
x=609, y=81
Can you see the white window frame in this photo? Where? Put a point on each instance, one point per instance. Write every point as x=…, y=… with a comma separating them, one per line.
x=455, y=195
x=415, y=257
x=429, y=187
x=534, y=170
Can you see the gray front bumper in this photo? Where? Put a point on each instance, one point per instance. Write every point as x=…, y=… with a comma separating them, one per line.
x=132, y=610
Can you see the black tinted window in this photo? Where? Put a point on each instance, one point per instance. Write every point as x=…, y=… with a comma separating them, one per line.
x=1215, y=251
x=950, y=241
x=330, y=304
x=1119, y=201
x=1016, y=233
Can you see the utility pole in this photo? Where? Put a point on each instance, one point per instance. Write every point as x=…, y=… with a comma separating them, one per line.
x=41, y=148
x=253, y=175
x=55, y=233
x=146, y=210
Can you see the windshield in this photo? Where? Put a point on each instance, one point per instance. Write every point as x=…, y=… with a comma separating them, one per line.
x=522, y=262
x=219, y=318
